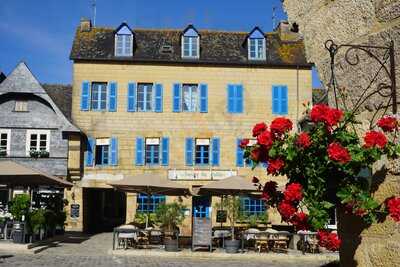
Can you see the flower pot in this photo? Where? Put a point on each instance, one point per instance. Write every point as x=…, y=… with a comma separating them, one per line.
x=171, y=245
x=232, y=246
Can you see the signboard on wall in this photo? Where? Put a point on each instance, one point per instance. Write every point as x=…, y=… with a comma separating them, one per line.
x=75, y=211
x=199, y=174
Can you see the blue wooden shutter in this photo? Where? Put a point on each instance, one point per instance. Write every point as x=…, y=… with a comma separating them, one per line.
x=85, y=96
x=231, y=98
x=239, y=99
x=114, y=151
x=284, y=100
x=89, y=151
x=176, y=105
x=159, y=98
x=239, y=154
x=203, y=98
x=215, y=146
x=189, y=151
x=165, y=151
x=139, y=150
x=131, y=97
x=112, y=96
x=275, y=99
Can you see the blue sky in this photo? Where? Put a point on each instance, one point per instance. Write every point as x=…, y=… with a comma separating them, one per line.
x=40, y=32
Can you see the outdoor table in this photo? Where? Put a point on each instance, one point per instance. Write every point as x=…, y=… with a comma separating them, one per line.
x=118, y=230
x=222, y=234
x=304, y=237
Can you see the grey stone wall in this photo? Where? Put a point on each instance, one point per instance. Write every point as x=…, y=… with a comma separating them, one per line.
x=368, y=22
x=40, y=115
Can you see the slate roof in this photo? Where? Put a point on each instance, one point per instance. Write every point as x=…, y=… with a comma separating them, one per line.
x=61, y=94
x=22, y=81
x=216, y=47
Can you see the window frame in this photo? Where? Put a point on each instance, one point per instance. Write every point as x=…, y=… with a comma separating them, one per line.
x=8, y=140
x=152, y=163
x=190, y=86
x=25, y=105
x=142, y=202
x=193, y=43
x=105, y=143
x=125, y=39
x=29, y=134
x=258, y=205
x=202, y=152
x=152, y=100
x=99, y=97
x=256, y=48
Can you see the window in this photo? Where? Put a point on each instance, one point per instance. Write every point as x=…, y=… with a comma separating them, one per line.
x=99, y=96
x=332, y=223
x=252, y=206
x=256, y=45
x=190, y=43
x=152, y=151
x=145, y=97
x=102, y=151
x=257, y=49
x=144, y=205
x=202, y=151
x=21, y=106
x=190, y=99
x=241, y=161
x=5, y=142
x=38, y=140
x=124, y=41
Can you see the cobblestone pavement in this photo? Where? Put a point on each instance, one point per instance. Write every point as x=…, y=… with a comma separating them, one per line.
x=94, y=251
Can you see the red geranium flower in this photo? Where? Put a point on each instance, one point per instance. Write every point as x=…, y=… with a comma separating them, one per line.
x=259, y=128
x=393, y=207
x=243, y=143
x=255, y=180
x=375, y=139
x=303, y=140
x=337, y=152
x=328, y=240
x=300, y=221
x=258, y=154
x=325, y=114
x=269, y=190
x=275, y=165
x=265, y=139
x=388, y=123
x=281, y=125
x=286, y=210
x=293, y=192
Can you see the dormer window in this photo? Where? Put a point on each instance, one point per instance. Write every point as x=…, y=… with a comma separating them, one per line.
x=190, y=43
x=256, y=45
x=123, y=41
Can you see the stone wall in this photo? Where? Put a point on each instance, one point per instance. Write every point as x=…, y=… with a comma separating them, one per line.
x=368, y=22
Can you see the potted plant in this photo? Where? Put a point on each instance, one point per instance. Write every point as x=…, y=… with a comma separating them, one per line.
x=3, y=153
x=170, y=216
x=36, y=221
x=44, y=154
x=34, y=153
x=232, y=205
x=19, y=209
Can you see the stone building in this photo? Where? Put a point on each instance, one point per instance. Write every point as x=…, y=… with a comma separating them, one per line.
x=358, y=22
x=33, y=129
x=174, y=103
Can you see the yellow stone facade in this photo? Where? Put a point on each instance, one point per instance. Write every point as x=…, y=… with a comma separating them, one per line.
x=217, y=122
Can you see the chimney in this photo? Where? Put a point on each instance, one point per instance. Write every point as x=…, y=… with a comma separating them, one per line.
x=86, y=25
x=288, y=32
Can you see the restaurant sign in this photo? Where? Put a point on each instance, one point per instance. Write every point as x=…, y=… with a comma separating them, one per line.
x=200, y=174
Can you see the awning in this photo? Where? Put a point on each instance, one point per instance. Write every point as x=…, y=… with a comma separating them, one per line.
x=150, y=184
x=14, y=174
x=234, y=185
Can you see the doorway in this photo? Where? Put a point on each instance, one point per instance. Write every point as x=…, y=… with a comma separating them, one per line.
x=104, y=209
x=201, y=206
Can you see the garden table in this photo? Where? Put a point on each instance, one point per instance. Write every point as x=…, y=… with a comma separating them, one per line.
x=305, y=236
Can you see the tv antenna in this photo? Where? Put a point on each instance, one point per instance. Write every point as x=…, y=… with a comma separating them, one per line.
x=273, y=17
x=94, y=12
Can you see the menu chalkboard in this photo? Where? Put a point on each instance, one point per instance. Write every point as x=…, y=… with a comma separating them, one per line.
x=75, y=211
x=202, y=231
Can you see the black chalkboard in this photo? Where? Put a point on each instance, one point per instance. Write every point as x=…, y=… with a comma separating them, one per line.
x=221, y=216
x=202, y=231
x=75, y=211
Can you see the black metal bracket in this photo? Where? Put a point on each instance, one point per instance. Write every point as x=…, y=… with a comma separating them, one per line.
x=385, y=89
